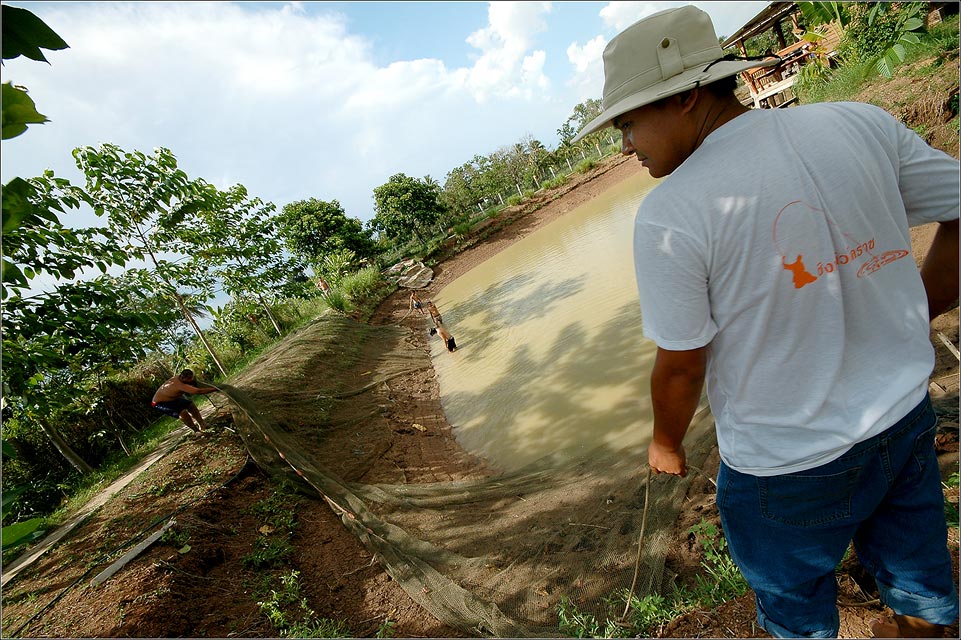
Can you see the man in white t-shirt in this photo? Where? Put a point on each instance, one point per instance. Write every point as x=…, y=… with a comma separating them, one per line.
x=774, y=264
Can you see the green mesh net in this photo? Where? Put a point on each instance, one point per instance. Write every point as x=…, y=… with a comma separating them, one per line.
x=488, y=554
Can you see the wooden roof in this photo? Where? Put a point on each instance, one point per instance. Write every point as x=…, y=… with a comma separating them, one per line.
x=774, y=12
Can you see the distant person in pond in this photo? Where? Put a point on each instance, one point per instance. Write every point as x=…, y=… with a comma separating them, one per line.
x=434, y=313
x=415, y=303
x=817, y=370
x=445, y=336
x=171, y=398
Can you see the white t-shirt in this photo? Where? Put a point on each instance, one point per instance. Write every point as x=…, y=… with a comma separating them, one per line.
x=783, y=243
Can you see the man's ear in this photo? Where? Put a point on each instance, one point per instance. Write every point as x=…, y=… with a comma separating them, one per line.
x=687, y=100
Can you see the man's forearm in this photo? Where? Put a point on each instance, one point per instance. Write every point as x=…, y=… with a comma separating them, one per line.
x=676, y=383
x=940, y=269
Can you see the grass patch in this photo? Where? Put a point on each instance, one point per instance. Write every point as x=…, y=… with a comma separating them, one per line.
x=86, y=487
x=585, y=165
x=722, y=581
x=287, y=611
x=278, y=513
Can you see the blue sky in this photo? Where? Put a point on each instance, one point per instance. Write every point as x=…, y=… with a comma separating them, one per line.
x=315, y=99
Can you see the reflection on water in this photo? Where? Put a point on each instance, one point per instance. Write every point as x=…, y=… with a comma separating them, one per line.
x=550, y=355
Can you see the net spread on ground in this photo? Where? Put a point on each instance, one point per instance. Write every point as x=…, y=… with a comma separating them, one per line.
x=488, y=554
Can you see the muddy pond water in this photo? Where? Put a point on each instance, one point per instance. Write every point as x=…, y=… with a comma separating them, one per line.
x=550, y=359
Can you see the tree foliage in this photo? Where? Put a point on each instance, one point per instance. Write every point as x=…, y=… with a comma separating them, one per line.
x=239, y=242
x=407, y=208
x=314, y=228
x=146, y=199
x=36, y=243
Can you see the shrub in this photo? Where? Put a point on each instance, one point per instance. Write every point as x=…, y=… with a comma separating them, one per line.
x=515, y=200
x=338, y=300
x=585, y=165
x=462, y=229
x=336, y=265
x=361, y=284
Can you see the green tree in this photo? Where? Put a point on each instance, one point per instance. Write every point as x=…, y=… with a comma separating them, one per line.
x=146, y=199
x=56, y=342
x=460, y=193
x=314, y=228
x=240, y=240
x=35, y=242
x=406, y=208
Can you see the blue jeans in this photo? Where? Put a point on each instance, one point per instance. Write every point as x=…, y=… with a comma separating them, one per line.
x=787, y=533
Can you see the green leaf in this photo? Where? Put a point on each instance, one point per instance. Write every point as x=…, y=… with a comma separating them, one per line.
x=11, y=274
x=10, y=496
x=909, y=37
x=8, y=450
x=25, y=34
x=16, y=205
x=21, y=533
x=884, y=65
x=913, y=23
x=18, y=111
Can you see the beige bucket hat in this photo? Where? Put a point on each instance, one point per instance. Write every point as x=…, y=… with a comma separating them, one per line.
x=663, y=54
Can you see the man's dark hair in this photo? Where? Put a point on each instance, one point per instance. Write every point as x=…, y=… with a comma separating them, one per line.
x=723, y=87
x=186, y=373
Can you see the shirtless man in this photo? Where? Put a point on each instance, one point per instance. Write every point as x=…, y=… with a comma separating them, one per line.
x=415, y=303
x=171, y=399
x=447, y=338
x=434, y=313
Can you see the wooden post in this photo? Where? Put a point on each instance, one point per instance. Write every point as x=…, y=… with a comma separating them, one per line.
x=780, y=35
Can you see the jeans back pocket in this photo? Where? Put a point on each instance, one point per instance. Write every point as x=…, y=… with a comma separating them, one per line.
x=808, y=500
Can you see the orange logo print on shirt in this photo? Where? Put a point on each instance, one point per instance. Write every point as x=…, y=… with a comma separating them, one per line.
x=852, y=252
x=801, y=275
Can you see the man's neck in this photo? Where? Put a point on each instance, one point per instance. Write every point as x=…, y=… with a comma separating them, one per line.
x=717, y=113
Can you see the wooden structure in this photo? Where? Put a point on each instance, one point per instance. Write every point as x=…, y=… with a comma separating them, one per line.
x=772, y=86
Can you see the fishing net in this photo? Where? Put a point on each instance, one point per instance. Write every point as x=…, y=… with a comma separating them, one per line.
x=486, y=554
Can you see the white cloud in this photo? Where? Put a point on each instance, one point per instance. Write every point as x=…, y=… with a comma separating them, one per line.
x=504, y=66
x=621, y=15
x=726, y=16
x=588, y=78
x=288, y=102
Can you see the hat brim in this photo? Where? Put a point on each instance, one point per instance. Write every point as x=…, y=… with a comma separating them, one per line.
x=681, y=82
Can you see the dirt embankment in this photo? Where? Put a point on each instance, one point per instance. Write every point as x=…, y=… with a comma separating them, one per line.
x=197, y=583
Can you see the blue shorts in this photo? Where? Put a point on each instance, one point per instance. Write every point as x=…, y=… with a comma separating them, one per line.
x=787, y=533
x=173, y=407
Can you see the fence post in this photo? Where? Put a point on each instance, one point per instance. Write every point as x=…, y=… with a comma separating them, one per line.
x=553, y=175
x=500, y=197
x=569, y=164
x=519, y=192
